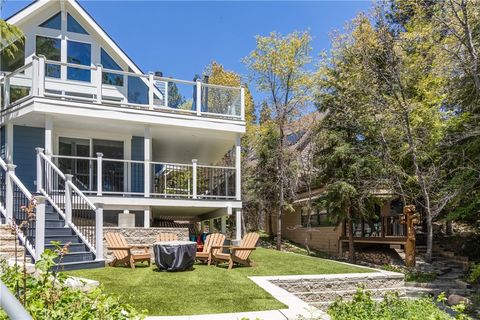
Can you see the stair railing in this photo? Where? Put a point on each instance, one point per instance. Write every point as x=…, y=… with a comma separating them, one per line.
x=80, y=214
x=13, y=195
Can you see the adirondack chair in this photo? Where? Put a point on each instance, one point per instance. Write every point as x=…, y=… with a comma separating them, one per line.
x=123, y=252
x=167, y=237
x=213, y=240
x=240, y=254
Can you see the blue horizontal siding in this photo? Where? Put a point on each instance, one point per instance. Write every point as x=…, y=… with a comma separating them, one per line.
x=25, y=140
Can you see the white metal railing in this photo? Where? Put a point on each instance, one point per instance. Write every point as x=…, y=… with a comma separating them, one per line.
x=80, y=214
x=14, y=195
x=103, y=176
x=121, y=88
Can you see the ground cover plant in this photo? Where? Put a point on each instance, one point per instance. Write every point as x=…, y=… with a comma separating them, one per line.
x=209, y=289
x=392, y=307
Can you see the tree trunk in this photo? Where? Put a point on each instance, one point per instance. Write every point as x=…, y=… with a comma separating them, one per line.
x=449, y=227
x=351, y=248
x=270, y=225
x=279, y=229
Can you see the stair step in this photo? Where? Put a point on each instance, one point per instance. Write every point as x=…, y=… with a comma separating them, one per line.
x=54, y=223
x=62, y=231
x=63, y=239
x=68, y=266
x=74, y=247
x=77, y=257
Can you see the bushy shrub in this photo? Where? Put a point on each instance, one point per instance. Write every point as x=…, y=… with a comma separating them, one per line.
x=47, y=296
x=392, y=307
x=474, y=274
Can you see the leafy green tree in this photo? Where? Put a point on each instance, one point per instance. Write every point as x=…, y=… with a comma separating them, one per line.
x=279, y=67
x=176, y=99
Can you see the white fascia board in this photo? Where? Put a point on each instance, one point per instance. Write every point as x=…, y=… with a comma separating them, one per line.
x=49, y=106
x=133, y=202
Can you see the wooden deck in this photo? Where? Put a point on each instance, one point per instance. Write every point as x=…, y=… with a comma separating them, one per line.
x=379, y=240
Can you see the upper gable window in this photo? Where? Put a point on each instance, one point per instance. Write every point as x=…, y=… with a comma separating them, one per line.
x=108, y=63
x=74, y=26
x=50, y=48
x=54, y=22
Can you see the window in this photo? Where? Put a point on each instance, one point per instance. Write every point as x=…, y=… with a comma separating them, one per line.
x=108, y=63
x=50, y=48
x=137, y=90
x=78, y=53
x=293, y=138
x=74, y=26
x=9, y=63
x=55, y=22
x=318, y=218
x=396, y=207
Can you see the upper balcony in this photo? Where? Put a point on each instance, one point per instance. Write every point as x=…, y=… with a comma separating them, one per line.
x=120, y=90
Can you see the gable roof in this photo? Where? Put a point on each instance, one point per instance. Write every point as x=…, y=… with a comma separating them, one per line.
x=30, y=9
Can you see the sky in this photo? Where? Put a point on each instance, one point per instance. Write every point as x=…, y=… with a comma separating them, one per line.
x=180, y=38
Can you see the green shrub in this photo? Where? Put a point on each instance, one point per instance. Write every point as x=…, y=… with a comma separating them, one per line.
x=392, y=307
x=474, y=273
x=47, y=296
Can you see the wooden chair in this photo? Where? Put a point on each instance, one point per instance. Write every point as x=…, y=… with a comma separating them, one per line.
x=213, y=240
x=240, y=254
x=167, y=237
x=123, y=252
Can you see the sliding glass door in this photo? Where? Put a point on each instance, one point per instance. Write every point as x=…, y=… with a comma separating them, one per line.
x=74, y=149
x=113, y=172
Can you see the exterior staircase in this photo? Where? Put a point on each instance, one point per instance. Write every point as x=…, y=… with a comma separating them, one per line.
x=79, y=255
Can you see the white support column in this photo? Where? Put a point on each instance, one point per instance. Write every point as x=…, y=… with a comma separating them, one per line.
x=6, y=93
x=9, y=142
x=35, y=76
x=39, y=226
x=199, y=97
x=238, y=169
x=99, y=173
x=68, y=200
x=146, y=218
x=48, y=136
x=223, y=225
x=238, y=224
x=150, y=90
x=39, y=181
x=211, y=225
x=9, y=192
x=147, y=158
x=99, y=231
x=99, y=83
x=194, y=178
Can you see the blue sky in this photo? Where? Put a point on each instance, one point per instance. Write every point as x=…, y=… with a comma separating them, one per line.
x=180, y=38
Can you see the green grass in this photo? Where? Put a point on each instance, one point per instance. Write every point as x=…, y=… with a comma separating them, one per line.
x=209, y=289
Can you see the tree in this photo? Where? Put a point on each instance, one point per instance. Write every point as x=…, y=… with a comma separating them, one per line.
x=11, y=38
x=176, y=99
x=279, y=67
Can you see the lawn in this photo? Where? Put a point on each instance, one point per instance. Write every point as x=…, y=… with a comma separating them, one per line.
x=209, y=289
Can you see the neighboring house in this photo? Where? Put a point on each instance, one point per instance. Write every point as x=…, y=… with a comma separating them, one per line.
x=76, y=107
x=320, y=233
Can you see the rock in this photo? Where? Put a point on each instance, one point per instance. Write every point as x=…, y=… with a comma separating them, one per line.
x=455, y=299
x=81, y=284
x=30, y=266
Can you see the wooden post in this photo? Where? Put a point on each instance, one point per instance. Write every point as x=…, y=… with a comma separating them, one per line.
x=99, y=83
x=410, y=219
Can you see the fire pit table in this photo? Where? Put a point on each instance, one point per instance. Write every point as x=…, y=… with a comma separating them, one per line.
x=174, y=255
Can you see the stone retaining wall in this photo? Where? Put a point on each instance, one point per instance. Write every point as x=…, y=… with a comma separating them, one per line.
x=141, y=236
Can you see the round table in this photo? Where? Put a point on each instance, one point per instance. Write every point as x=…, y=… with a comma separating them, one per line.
x=174, y=255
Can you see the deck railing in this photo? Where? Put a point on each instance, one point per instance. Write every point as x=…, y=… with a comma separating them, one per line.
x=103, y=176
x=384, y=227
x=110, y=87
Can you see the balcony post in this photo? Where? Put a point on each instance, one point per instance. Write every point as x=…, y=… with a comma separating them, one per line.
x=146, y=218
x=99, y=173
x=150, y=90
x=34, y=76
x=194, y=178
x=6, y=92
x=238, y=169
x=68, y=200
x=223, y=223
x=238, y=225
x=199, y=97
x=39, y=226
x=41, y=76
x=242, y=103
x=98, y=83
x=9, y=192
x=147, y=158
x=99, y=231
x=39, y=181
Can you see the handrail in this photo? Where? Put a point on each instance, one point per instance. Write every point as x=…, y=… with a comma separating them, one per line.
x=17, y=71
x=80, y=193
x=60, y=173
x=21, y=186
x=3, y=164
x=10, y=304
